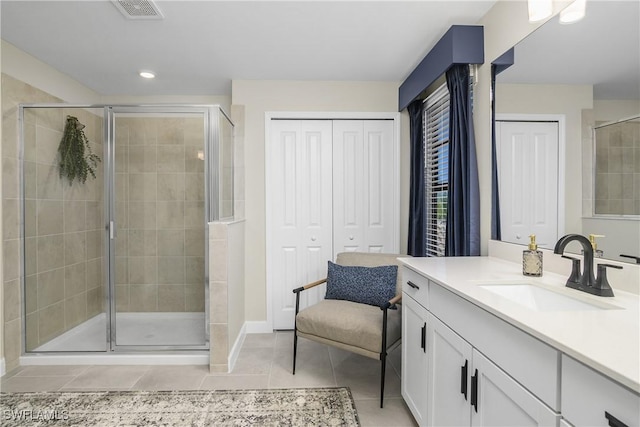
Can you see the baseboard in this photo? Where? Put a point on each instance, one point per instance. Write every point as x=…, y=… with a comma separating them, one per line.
x=3, y=368
x=258, y=327
x=237, y=346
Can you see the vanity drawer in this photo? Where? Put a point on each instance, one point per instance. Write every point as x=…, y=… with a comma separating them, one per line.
x=416, y=286
x=587, y=396
x=526, y=359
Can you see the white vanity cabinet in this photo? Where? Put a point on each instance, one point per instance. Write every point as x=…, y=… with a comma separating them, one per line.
x=449, y=368
x=466, y=388
x=463, y=386
x=591, y=399
x=500, y=401
x=414, y=349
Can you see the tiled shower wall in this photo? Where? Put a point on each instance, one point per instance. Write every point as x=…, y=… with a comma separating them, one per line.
x=63, y=244
x=64, y=229
x=617, y=168
x=160, y=214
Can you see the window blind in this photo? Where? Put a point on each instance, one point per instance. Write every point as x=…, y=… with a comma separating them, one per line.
x=436, y=140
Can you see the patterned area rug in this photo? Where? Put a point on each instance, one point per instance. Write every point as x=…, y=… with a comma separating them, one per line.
x=274, y=407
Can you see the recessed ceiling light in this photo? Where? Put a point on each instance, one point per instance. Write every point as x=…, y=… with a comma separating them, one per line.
x=147, y=74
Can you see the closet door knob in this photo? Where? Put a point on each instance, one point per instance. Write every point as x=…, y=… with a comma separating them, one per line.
x=313, y=238
x=350, y=237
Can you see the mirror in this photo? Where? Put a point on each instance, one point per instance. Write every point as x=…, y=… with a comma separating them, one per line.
x=578, y=76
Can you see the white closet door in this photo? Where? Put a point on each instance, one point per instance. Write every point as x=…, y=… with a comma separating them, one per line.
x=301, y=210
x=364, y=168
x=528, y=178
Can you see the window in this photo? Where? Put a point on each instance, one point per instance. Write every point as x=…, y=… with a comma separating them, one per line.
x=436, y=173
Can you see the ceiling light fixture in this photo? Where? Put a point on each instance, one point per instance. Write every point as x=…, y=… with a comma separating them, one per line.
x=539, y=9
x=147, y=74
x=574, y=12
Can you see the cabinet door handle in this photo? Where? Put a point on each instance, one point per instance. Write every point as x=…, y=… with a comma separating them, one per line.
x=423, y=338
x=613, y=421
x=413, y=285
x=463, y=379
x=474, y=391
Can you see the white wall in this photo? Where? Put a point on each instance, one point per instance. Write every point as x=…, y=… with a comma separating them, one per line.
x=616, y=109
x=28, y=69
x=621, y=236
x=259, y=97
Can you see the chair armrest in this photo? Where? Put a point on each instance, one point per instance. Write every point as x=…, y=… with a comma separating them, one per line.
x=310, y=285
x=391, y=302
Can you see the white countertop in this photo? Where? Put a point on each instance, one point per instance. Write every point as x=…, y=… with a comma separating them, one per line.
x=606, y=340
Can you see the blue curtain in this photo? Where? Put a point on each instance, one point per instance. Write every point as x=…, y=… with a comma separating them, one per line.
x=463, y=207
x=495, y=194
x=417, y=233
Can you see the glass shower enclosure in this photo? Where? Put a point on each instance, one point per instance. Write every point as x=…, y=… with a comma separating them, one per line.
x=119, y=262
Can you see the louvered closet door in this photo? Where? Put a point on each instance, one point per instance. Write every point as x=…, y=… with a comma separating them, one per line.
x=301, y=213
x=363, y=186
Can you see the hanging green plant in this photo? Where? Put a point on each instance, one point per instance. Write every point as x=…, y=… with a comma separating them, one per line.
x=76, y=161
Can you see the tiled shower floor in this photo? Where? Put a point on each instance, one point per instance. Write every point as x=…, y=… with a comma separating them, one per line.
x=137, y=329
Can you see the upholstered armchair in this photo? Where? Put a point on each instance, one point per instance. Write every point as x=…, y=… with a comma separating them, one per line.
x=361, y=311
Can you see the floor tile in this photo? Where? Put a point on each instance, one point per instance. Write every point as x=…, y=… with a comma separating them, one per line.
x=108, y=378
x=394, y=414
x=368, y=386
x=234, y=382
x=253, y=361
x=352, y=363
x=284, y=339
x=172, y=378
x=259, y=341
x=33, y=384
x=313, y=369
x=265, y=361
x=52, y=371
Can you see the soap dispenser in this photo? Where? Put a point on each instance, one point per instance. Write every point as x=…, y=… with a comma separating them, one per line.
x=597, y=253
x=532, y=259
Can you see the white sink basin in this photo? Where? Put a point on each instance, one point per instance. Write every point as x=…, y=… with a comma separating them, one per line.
x=542, y=299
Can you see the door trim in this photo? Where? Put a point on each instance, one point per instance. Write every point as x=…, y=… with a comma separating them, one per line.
x=561, y=120
x=313, y=115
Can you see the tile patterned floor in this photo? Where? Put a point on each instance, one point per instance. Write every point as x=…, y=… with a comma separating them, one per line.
x=264, y=362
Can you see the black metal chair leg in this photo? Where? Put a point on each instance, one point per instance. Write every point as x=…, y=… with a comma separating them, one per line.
x=295, y=350
x=295, y=328
x=383, y=360
x=383, y=353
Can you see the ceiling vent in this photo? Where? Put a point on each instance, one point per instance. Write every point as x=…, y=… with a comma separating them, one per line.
x=138, y=9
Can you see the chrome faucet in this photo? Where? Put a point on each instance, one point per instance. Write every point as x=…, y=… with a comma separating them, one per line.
x=585, y=281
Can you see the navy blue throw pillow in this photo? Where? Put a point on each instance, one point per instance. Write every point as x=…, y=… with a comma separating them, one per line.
x=365, y=285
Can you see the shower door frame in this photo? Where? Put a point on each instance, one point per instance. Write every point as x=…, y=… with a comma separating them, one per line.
x=212, y=114
x=210, y=172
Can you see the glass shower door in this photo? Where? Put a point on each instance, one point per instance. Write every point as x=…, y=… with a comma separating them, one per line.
x=158, y=231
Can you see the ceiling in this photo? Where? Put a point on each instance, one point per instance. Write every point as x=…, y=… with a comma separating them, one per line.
x=602, y=50
x=200, y=46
